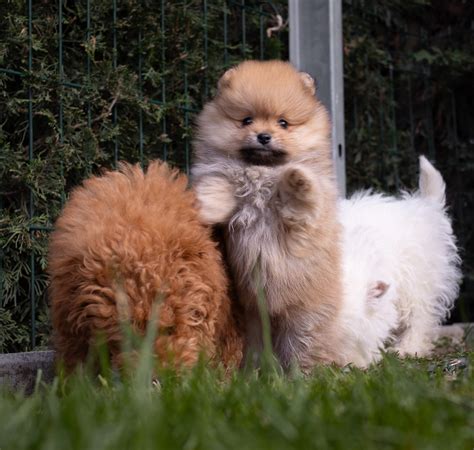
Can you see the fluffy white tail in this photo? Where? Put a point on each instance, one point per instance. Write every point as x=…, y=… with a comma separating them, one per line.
x=431, y=182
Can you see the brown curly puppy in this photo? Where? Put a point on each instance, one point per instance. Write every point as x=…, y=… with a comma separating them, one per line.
x=125, y=240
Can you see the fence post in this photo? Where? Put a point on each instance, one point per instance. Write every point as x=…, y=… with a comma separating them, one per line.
x=316, y=48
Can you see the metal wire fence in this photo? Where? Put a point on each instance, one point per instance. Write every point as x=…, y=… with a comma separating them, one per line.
x=85, y=84
x=100, y=82
x=408, y=91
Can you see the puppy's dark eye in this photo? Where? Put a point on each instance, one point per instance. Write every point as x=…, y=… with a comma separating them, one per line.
x=283, y=123
x=247, y=121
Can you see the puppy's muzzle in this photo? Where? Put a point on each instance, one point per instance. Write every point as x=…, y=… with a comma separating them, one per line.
x=263, y=156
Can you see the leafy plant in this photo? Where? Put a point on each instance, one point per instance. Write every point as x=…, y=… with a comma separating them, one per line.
x=99, y=90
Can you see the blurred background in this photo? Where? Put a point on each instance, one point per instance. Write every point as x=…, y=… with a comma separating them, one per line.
x=84, y=84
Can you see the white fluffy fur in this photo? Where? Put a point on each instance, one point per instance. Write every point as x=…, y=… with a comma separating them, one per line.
x=366, y=322
x=408, y=243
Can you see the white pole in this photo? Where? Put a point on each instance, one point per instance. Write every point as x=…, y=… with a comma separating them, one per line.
x=316, y=48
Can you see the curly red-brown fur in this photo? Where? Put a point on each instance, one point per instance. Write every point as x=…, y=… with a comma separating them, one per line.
x=125, y=240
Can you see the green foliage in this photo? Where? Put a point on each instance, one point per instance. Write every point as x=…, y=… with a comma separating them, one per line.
x=12, y=334
x=408, y=76
x=407, y=63
x=394, y=405
x=93, y=103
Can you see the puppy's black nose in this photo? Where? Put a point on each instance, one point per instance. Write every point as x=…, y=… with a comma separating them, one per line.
x=264, y=138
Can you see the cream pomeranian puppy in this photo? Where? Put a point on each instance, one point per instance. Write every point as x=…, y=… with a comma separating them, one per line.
x=263, y=169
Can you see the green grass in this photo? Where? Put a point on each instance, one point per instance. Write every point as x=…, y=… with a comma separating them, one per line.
x=411, y=404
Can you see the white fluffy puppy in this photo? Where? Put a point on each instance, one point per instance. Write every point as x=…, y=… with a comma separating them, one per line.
x=407, y=243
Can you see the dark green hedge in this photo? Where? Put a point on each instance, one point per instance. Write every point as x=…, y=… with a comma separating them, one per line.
x=119, y=80
x=408, y=89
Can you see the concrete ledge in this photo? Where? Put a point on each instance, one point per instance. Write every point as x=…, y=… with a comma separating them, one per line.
x=18, y=371
x=456, y=331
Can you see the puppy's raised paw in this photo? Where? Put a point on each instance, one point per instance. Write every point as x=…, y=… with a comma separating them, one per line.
x=297, y=183
x=216, y=200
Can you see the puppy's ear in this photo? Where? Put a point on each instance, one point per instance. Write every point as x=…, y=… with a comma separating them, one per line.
x=224, y=80
x=308, y=82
